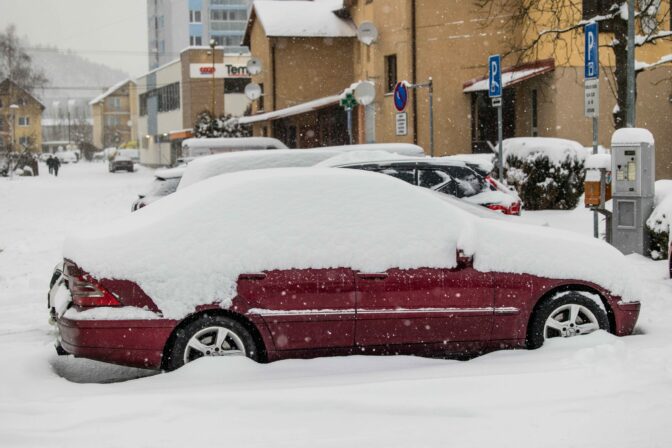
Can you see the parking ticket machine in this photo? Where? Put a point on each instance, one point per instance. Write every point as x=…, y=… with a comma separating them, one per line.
x=633, y=187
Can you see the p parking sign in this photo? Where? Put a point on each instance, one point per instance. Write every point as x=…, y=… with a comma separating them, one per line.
x=494, y=76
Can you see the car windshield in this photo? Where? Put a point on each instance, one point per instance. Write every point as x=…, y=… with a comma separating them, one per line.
x=163, y=187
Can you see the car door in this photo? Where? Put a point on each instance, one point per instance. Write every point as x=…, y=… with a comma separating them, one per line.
x=304, y=308
x=439, y=308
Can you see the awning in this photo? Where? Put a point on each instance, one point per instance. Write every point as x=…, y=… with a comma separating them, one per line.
x=512, y=75
x=293, y=110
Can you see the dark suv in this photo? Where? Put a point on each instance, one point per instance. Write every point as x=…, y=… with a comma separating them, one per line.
x=450, y=177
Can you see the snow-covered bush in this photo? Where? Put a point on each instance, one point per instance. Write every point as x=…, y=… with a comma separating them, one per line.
x=548, y=173
x=224, y=126
x=660, y=220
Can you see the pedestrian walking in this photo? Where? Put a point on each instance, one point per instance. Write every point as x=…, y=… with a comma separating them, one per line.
x=50, y=164
x=56, y=165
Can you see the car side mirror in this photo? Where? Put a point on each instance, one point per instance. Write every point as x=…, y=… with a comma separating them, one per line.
x=141, y=196
x=464, y=260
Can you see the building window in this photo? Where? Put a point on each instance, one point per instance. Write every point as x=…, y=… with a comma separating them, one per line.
x=24, y=121
x=1, y=123
x=0, y=103
x=535, y=114
x=235, y=85
x=143, y=104
x=112, y=120
x=169, y=97
x=592, y=8
x=391, y=71
x=194, y=16
x=260, y=101
x=115, y=103
x=24, y=141
x=195, y=41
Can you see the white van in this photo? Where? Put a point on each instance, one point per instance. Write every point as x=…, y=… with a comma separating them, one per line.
x=205, y=167
x=197, y=147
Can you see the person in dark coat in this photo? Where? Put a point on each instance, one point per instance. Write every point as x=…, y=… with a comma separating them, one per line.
x=56, y=164
x=50, y=164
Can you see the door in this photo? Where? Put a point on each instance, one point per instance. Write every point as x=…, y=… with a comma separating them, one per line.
x=304, y=308
x=439, y=309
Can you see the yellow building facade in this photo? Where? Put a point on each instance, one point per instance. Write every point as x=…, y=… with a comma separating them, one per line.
x=20, y=119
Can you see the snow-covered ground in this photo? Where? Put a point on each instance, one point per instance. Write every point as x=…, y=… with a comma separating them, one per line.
x=592, y=391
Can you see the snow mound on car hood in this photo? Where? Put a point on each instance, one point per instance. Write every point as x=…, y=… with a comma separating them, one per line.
x=189, y=248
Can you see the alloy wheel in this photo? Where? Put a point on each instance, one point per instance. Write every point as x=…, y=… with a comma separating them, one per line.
x=214, y=341
x=570, y=320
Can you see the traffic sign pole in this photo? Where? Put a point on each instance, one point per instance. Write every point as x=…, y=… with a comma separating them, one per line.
x=592, y=101
x=495, y=92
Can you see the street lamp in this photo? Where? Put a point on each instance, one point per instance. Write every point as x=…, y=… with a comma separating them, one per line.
x=213, y=44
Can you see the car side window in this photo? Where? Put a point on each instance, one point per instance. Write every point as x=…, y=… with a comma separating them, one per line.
x=405, y=174
x=466, y=182
x=428, y=178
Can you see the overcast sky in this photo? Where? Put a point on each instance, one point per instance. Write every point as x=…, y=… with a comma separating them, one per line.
x=112, y=32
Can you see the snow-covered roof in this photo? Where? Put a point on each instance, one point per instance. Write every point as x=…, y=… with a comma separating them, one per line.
x=298, y=18
x=632, y=135
x=110, y=91
x=512, y=75
x=293, y=110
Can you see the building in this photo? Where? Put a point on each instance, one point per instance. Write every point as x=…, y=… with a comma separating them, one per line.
x=20, y=118
x=171, y=97
x=177, y=24
x=114, y=115
x=310, y=55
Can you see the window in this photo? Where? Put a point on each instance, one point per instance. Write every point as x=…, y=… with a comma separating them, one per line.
x=111, y=120
x=405, y=174
x=194, y=16
x=24, y=141
x=535, y=113
x=235, y=85
x=22, y=102
x=391, y=71
x=260, y=101
x=169, y=97
x=115, y=103
x=24, y=121
x=1, y=123
x=195, y=41
x=432, y=178
x=143, y=104
x=592, y=8
x=0, y=103
x=464, y=183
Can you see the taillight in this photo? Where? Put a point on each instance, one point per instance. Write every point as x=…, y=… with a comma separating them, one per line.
x=497, y=208
x=87, y=292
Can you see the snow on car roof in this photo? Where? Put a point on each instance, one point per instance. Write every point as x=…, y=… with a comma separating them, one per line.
x=189, y=248
x=242, y=142
x=361, y=157
x=170, y=173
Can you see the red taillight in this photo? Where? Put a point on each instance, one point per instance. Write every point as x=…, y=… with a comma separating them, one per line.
x=498, y=208
x=87, y=292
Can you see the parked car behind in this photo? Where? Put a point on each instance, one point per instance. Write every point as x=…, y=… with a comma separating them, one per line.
x=198, y=147
x=67, y=157
x=298, y=262
x=205, y=167
x=123, y=159
x=446, y=176
x=165, y=183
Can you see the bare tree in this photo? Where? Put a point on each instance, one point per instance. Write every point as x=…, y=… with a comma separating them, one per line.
x=542, y=24
x=16, y=64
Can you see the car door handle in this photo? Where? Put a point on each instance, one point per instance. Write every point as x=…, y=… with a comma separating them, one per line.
x=372, y=275
x=252, y=276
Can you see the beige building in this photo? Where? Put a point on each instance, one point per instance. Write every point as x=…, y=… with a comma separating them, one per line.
x=310, y=54
x=20, y=119
x=115, y=115
x=171, y=97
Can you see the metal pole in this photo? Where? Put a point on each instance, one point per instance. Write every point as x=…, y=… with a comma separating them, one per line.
x=596, y=218
x=500, y=136
x=349, y=114
x=630, y=113
x=431, y=117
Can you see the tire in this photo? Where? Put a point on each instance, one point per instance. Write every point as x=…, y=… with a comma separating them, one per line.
x=553, y=318
x=202, y=333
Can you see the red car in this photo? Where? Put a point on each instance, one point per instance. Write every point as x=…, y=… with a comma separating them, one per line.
x=459, y=305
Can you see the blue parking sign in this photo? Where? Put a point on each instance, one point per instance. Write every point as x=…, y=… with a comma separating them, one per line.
x=591, y=54
x=494, y=76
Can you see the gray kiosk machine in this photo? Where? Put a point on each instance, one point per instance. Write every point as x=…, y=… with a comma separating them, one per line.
x=633, y=187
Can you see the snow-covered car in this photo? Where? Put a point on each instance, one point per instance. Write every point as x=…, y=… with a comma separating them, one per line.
x=447, y=176
x=123, y=159
x=165, y=183
x=205, y=167
x=67, y=157
x=198, y=147
x=307, y=262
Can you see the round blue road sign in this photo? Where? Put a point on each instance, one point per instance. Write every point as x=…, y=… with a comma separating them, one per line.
x=400, y=96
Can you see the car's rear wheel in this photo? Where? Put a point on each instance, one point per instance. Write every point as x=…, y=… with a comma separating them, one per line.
x=210, y=335
x=564, y=316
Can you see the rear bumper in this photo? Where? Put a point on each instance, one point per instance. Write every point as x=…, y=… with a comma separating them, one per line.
x=625, y=317
x=134, y=343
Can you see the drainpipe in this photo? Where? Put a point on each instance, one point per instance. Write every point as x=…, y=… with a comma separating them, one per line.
x=414, y=69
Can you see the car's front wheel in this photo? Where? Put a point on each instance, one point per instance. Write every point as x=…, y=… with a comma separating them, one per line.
x=568, y=315
x=210, y=335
